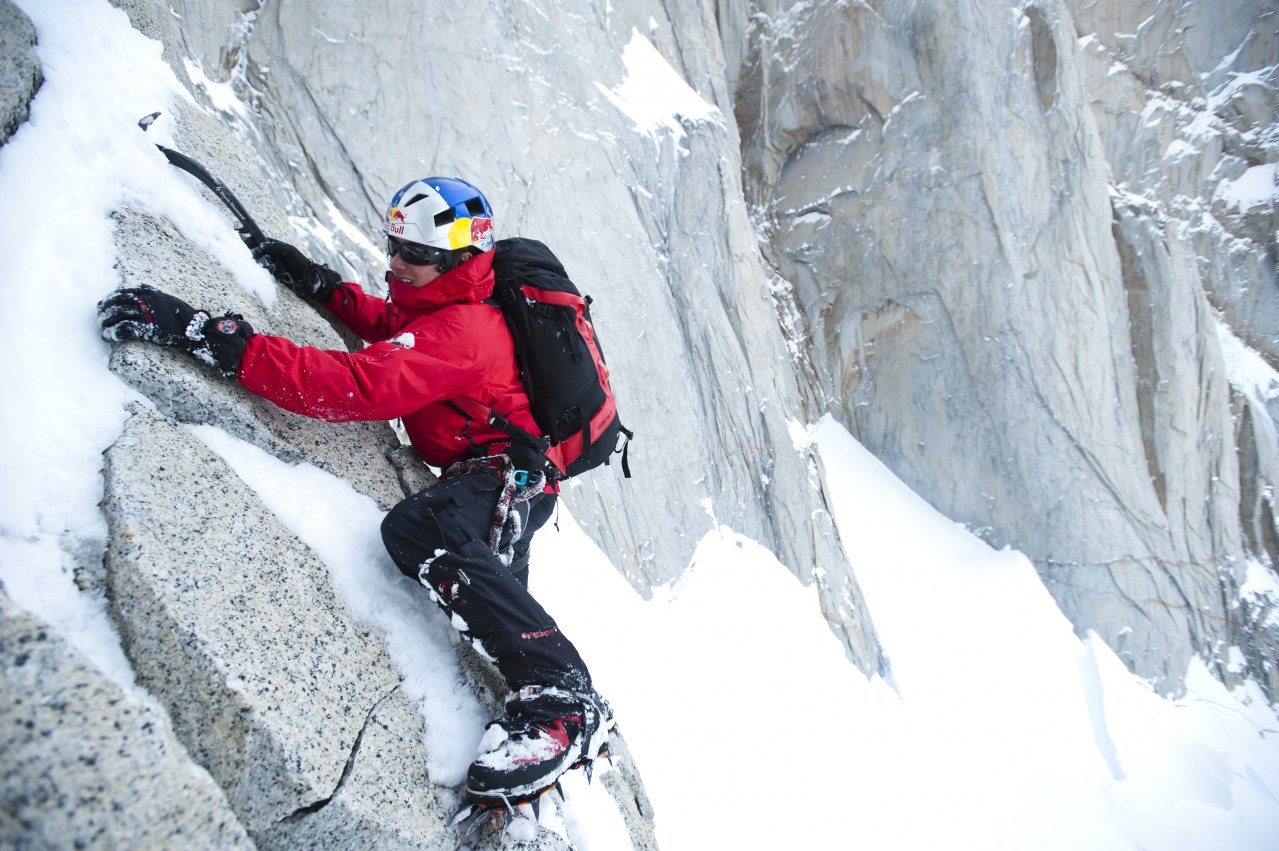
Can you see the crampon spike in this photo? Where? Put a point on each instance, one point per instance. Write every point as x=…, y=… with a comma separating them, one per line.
x=469, y=820
x=496, y=815
x=587, y=764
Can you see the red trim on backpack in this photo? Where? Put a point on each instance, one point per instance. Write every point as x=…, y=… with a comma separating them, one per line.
x=584, y=327
x=572, y=447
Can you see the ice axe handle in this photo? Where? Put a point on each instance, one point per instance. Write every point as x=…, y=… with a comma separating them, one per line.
x=248, y=229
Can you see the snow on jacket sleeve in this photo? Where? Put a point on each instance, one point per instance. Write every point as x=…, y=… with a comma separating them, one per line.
x=381, y=382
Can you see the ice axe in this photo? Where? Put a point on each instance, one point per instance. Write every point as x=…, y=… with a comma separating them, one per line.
x=248, y=229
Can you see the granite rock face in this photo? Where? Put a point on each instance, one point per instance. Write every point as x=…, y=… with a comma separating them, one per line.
x=20, y=72
x=232, y=622
x=86, y=764
x=189, y=394
x=1188, y=116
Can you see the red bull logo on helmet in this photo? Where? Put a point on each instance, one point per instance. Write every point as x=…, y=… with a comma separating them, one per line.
x=466, y=232
x=394, y=222
x=482, y=233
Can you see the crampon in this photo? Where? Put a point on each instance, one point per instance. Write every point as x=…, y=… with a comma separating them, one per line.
x=517, y=817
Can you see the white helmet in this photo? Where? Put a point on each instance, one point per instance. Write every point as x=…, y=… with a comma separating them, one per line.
x=442, y=212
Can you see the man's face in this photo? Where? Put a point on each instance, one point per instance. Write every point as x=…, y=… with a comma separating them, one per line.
x=414, y=276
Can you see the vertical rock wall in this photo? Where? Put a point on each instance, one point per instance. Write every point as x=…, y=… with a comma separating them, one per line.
x=1005, y=229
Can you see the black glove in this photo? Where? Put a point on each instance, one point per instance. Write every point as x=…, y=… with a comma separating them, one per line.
x=225, y=338
x=313, y=281
x=145, y=313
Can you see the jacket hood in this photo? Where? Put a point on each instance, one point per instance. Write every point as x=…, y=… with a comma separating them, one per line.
x=470, y=282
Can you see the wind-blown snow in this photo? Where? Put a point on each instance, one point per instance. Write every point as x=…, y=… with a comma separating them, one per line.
x=1247, y=370
x=1254, y=187
x=653, y=95
x=1000, y=729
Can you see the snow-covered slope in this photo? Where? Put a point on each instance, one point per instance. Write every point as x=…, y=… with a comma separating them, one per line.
x=997, y=728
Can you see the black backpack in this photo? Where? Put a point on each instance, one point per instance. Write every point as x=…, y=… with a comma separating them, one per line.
x=561, y=365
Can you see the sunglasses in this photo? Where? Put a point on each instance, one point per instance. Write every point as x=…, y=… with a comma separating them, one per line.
x=414, y=253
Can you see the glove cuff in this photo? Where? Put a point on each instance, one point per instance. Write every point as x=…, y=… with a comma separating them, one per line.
x=324, y=282
x=225, y=339
x=194, y=332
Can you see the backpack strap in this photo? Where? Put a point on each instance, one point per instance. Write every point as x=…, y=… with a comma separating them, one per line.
x=527, y=450
x=626, y=451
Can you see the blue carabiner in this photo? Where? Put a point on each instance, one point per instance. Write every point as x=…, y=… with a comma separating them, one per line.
x=521, y=477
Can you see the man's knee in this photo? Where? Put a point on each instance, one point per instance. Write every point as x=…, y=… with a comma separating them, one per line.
x=444, y=578
x=406, y=536
x=392, y=527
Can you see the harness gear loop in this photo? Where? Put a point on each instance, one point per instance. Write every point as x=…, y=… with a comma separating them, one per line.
x=517, y=486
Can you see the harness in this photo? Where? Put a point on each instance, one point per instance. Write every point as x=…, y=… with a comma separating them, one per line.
x=517, y=486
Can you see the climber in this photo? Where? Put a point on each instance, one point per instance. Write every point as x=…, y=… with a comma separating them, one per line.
x=466, y=538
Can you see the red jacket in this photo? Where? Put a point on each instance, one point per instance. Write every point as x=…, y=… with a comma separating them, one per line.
x=429, y=345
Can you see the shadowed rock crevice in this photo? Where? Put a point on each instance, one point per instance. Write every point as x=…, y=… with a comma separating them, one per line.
x=312, y=808
x=1141, y=333
x=1044, y=51
x=1253, y=505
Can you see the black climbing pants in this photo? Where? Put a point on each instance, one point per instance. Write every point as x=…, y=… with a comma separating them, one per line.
x=439, y=537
